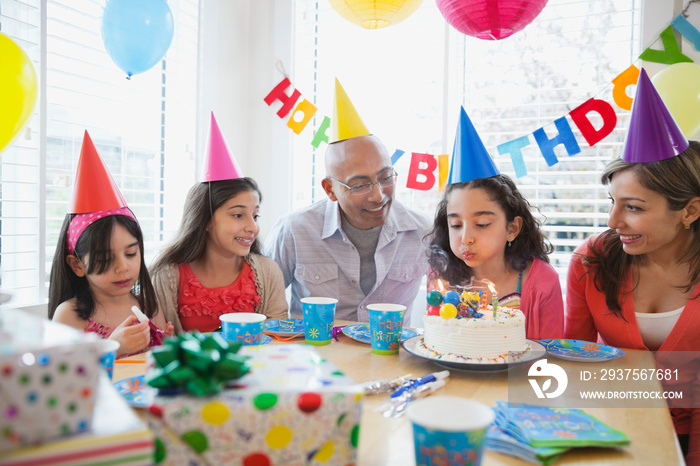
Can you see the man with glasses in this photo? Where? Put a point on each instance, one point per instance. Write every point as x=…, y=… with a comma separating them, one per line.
x=359, y=245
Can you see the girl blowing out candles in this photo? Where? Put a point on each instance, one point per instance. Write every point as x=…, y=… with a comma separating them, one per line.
x=484, y=230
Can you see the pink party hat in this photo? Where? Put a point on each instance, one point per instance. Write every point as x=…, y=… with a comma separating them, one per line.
x=94, y=189
x=470, y=159
x=219, y=163
x=653, y=134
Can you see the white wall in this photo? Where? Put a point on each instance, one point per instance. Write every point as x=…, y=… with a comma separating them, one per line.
x=240, y=41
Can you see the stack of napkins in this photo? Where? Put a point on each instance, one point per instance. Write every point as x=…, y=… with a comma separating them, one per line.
x=540, y=434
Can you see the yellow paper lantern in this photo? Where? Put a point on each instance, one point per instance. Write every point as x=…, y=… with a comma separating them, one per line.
x=375, y=14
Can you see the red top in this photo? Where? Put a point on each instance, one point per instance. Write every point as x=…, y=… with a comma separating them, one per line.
x=200, y=307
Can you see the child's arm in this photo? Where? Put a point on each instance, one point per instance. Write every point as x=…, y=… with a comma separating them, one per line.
x=65, y=314
x=132, y=336
x=159, y=320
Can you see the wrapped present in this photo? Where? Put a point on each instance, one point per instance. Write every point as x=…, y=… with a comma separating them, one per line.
x=117, y=436
x=293, y=407
x=49, y=378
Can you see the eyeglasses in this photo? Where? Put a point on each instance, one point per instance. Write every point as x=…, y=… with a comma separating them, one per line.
x=365, y=188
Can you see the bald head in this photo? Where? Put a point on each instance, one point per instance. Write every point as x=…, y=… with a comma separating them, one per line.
x=351, y=152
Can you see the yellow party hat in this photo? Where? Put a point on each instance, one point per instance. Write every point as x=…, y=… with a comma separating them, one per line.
x=345, y=122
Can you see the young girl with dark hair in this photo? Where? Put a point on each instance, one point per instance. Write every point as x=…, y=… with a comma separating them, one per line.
x=484, y=230
x=214, y=265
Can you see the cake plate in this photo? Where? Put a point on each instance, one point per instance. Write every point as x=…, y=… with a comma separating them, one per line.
x=537, y=351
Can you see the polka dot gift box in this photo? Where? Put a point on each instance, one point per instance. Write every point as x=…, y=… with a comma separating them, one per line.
x=292, y=408
x=48, y=378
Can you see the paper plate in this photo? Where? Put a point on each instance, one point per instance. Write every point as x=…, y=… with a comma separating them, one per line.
x=284, y=327
x=537, y=351
x=360, y=332
x=136, y=391
x=579, y=350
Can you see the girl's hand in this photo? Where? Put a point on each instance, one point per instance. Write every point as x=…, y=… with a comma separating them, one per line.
x=132, y=336
x=169, y=329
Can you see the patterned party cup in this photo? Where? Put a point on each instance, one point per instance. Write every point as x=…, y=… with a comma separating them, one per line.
x=242, y=327
x=108, y=353
x=385, y=322
x=319, y=315
x=449, y=430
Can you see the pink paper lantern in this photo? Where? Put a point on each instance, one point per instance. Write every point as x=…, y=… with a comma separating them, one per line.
x=490, y=19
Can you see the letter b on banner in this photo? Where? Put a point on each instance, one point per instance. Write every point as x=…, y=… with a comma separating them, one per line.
x=423, y=165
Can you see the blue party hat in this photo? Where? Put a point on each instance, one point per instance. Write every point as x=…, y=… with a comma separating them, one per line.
x=653, y=133
x=470, y=159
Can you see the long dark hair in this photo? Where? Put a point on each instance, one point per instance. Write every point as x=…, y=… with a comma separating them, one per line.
x=202, y=201
x=678, y=180
x=95, y=243
x=530, y=242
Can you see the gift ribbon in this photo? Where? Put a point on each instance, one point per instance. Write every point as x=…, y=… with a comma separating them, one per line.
x=337, y=331
x=196, y=363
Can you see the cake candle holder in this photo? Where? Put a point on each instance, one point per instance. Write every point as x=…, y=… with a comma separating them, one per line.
x=494, y=297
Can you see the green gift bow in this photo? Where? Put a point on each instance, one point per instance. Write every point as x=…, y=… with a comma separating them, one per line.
x=196, y=362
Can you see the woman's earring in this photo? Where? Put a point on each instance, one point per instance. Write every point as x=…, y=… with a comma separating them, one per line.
x=509, y=243
x=686, y=226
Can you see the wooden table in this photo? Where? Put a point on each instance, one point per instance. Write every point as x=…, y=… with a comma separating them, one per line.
x=390, y=442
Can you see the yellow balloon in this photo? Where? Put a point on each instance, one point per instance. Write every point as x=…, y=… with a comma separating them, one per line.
x=18, y=88
x=375, y=14
x=679, y=88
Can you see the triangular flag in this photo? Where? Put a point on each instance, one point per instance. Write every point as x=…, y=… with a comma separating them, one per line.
x=653, y=134
x=219, y=164
x=345, y=122
x=470, y=159
x=94, y=189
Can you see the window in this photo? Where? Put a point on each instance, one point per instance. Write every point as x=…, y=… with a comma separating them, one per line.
x=135, y=124
x=408, y=81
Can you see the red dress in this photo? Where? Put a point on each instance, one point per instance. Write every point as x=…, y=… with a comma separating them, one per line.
x=200, y=307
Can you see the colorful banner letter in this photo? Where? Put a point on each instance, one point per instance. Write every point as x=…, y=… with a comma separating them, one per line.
x=580, y=117
x=397, y=155
x=308, y=110
x=514, y=148
x=689, y=31
x=670, y=54
x=321, y=135
x=425, y=165
x=565, y=137
x=288, y=101
x=443, y=170
x=621, y=82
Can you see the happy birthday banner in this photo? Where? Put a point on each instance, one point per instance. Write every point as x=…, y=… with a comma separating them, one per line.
x=424, y=165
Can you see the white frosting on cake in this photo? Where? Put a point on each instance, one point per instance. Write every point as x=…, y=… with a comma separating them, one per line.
x=484, y=340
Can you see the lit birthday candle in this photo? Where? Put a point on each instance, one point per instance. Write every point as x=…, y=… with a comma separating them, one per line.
x=494, y=295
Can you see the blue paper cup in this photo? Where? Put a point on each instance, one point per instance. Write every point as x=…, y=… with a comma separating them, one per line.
x=242, y=327
x=319, y=315
x=108, y=353
x=449, y=430
x=385, y=322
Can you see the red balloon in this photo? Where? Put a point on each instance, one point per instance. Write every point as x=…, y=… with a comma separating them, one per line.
x=490, y=19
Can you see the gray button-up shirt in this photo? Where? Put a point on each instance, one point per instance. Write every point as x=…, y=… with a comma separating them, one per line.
x=318, y=259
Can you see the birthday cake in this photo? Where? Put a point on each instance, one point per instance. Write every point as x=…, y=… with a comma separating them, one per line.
x=476, y=336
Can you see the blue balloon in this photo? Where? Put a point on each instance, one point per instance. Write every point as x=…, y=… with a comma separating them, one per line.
x=137, y=33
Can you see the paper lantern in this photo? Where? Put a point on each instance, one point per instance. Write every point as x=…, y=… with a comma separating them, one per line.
x=375, y=14
x=490, y=19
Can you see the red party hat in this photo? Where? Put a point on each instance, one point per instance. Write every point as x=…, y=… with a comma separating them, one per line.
x=219, y=163
x=94, y=189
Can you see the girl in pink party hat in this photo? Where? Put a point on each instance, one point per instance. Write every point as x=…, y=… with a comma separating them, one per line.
x=98, y=272
x=637, y=284
x=484, y=230
x=214, y=265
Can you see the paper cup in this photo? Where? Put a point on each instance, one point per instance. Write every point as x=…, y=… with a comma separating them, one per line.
x=449, y=430
x=385, y=322
x=242, y=327
x=319, y=315
x=108, y=353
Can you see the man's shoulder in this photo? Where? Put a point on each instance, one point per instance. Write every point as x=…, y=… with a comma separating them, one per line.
x=409, y=219
x=306, y=216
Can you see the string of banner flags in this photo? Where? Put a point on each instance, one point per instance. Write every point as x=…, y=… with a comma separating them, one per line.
x=421, y=174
